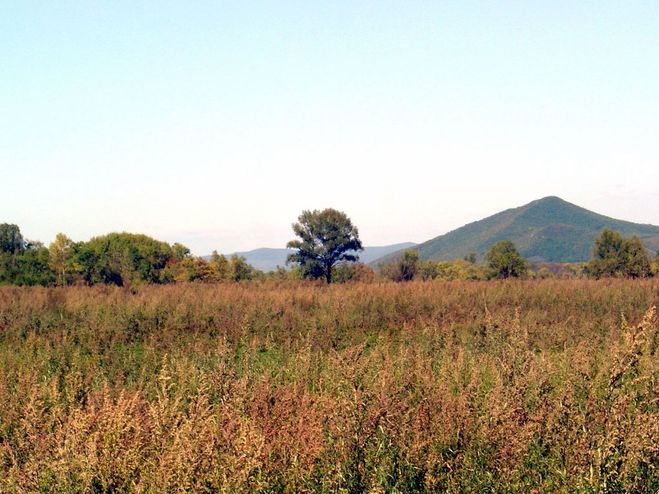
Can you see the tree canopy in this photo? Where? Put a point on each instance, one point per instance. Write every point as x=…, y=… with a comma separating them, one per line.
x=11, y=240
x=326, y=238
x=614, y=255
x=405, y=268
x=504, y=261
x=122, y=259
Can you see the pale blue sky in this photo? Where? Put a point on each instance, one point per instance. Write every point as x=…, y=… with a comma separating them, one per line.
x=216, y=123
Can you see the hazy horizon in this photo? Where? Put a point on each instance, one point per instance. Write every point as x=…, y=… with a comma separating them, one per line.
x=215, y=125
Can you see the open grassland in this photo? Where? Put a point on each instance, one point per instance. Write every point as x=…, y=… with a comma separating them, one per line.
x=536, y=386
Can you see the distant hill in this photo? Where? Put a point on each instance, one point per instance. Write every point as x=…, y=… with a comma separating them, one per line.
x=546, y=230
x=267, y=259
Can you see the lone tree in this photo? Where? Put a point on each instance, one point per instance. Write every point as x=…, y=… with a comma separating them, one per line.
x=326, y=238
x=503, y=261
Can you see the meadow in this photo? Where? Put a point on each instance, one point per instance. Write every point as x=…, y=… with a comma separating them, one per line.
x=500, y=386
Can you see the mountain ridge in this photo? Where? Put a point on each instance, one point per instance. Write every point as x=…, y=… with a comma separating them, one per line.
x=268, y=258
x=549, y=229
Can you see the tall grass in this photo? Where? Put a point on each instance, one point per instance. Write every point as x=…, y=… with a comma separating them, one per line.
x=537, y=386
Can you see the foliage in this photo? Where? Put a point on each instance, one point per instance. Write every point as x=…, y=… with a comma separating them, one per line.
x=614, y=255
x=546, y=230
x=60, y=257
x=180, y=251
x=115, y=259
x=22, y=262
x=218, y=269
x=636, y=260
x=457, y=270
x=404, y=269
x=241, y=271
x=11, y=239
x=353, y=272
x=326, y=238
x=504, y=261
x=122, y=259
x=28, y=267
x=506, y=386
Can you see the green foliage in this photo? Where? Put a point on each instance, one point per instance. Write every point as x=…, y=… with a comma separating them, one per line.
x=11, y=240
x=190, y=269
x=115, y=259
x=636, y=260
x=218, y=269
x=22, y=262
x=504, y=261
x=546, y=230
x=28, y=267
x=60, y=257
x=614, y=255
x=326, y=238
x=241, y=271
x=180, y=251
x=344, y=272
x=33, y=268
x=122, y=258
x=409, y=267
x=448, y=271
x=471, y=257
x=405, y=269
x=221, y=266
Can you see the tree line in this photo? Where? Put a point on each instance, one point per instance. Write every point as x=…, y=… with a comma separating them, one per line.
x=327, y=247
x=121, y=259
x=613, y=256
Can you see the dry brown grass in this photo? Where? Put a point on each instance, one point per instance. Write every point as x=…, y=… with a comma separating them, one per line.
x=536, y=386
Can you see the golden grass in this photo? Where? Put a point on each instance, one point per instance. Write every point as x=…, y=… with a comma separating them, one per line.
x=521, y=386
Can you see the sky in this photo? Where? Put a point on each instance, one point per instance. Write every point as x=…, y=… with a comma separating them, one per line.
x=215, y=124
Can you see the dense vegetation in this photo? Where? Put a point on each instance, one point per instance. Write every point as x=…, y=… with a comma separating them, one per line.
x=126, y=259
x=120, y=259
x=613, y=256
x=327, y=249
x=523, y=386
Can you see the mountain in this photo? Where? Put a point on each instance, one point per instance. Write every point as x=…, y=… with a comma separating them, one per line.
x=267, y=259
x=546, y=230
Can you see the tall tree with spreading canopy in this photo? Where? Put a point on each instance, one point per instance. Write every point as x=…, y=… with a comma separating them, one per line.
x=326, y=238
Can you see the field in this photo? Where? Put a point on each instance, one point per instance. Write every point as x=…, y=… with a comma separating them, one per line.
x=524, y=386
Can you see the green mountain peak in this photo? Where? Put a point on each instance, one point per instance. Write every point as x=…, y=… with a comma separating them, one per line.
x=545, y=230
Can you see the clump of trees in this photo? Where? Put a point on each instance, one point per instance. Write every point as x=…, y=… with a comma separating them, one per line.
x=615, y=256
x=327, y=248
x=22, y=262
x=504, y=261
x=460, y=269
x=406, y=268
x=326, y=238
x=345, y=272
x=217, y=269
x=122, y=259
